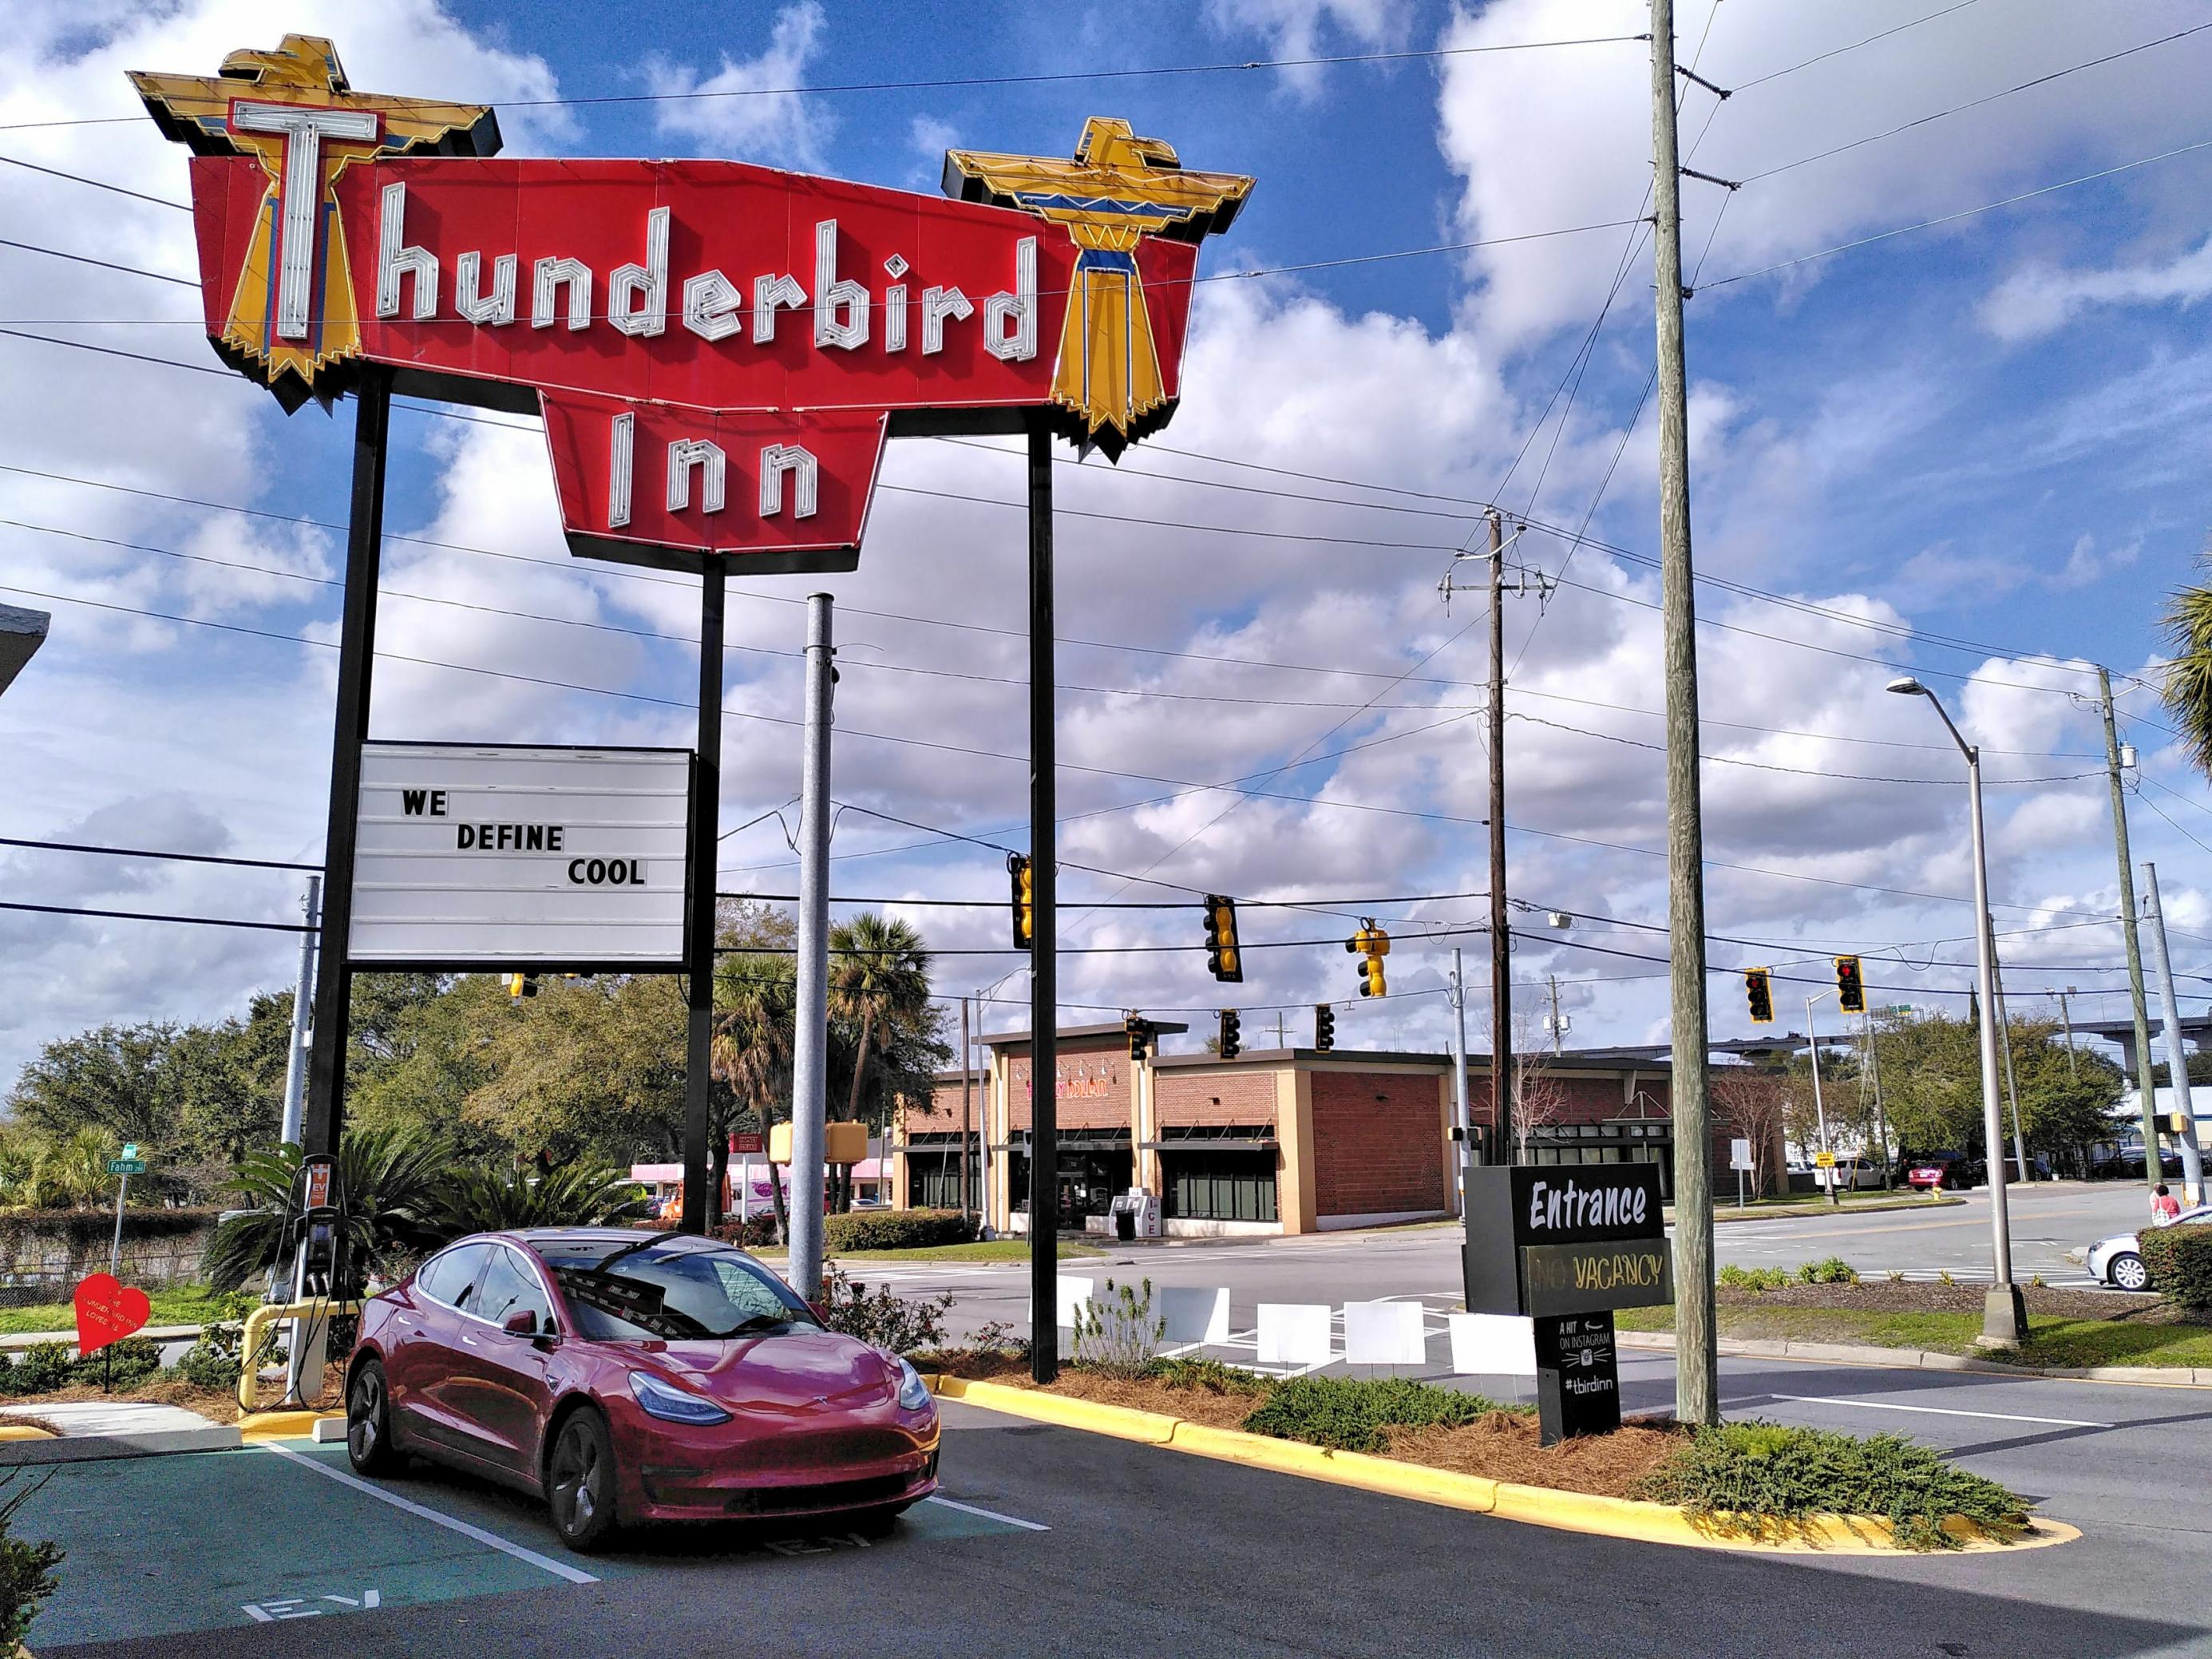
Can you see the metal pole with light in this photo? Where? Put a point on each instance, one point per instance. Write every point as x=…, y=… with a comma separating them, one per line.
x=1820, y=1112
x=2005, y=1314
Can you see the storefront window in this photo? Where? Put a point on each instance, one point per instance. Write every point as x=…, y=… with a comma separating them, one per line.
x=1219, y=1185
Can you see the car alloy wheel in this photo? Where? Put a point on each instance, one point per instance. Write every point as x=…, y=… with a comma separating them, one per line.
x=368, y=1421
x=581, y=1481
x=2129, y=1273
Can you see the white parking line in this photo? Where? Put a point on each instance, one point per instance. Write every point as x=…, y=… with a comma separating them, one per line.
x=1932, y=1411
x=558, y=1569
x=990, y=1515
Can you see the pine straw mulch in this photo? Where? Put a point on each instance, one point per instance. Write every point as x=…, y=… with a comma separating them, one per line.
x=1500, y=1445
x=1916, y=1296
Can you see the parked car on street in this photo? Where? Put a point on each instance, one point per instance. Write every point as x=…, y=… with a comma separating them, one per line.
x=1952, y=1171
x=630, y=1375
x=2117, y=1260
x=2129, y=1166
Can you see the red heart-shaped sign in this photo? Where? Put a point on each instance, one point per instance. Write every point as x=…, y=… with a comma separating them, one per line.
x=107, y=1311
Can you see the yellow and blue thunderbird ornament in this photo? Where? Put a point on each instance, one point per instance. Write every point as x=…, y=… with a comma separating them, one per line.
x=1121, y=197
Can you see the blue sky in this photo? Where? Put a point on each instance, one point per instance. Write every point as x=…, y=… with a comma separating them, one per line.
x=1991, y=432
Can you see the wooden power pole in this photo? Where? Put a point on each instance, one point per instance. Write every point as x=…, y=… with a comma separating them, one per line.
x=1501, y=936
x=1697, y=1376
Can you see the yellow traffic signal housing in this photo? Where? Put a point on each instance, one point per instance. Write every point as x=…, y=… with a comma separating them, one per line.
x=522, y=985
x=1759, y=991
x=1025, y=902
x=1371, y=944
x=1224, y=960
x=1850, y=989
x=1140, y=1032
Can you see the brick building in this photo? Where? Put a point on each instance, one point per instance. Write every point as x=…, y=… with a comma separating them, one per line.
x=1279, y=1140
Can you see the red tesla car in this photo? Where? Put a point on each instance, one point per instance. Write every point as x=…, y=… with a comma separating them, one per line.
x=628, y=1376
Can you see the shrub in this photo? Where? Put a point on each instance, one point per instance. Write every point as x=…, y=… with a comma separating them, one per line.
x=754, y=1232
x=1752, y=1279
x=896, y=1230
x=888, y=1321
x=133, y=1360
x=1209, y=1377
x=1740, y=1474
x=27, y=1576
x=1356, y=1414
x=40, y=1368
x=1121, y=1333
x=2180, y=1263
x=1833, y=1271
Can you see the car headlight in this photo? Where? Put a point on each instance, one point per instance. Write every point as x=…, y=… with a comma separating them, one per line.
x=913, y=1392
x=673, y=1405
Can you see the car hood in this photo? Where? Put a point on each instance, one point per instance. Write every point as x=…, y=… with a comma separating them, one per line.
x=800, y=1370
x=2117, y=1240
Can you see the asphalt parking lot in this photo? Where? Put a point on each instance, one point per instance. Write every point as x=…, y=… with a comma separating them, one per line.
x=1068, y=1544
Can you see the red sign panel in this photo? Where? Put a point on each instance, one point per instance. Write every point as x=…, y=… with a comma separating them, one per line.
x=747, y=1143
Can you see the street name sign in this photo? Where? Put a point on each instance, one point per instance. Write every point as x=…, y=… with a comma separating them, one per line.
x=126, y=1166
x=499, y=856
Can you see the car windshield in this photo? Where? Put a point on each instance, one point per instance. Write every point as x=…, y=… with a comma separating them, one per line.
x=669, y=1289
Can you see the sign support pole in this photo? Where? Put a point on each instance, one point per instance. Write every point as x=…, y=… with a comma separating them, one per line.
x=706, y=831
x=327, y=1053
x=810, y=1059
x=1044, y=1032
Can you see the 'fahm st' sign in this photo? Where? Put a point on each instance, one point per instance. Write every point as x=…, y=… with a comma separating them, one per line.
x=719, y=351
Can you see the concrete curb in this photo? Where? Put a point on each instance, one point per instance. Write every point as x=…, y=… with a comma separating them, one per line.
x=101, y=1448
x=1839, y=1353
x=1543, y=1506
x=23, y=1339
x=286, y=1426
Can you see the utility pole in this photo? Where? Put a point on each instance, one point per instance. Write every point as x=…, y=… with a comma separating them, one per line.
x=1459, y=1114
x=2011, y=1089
x=2066, y=1019
x=1819, y=1111
x=303, y=1008
x=1501, y=935
x=1282, y=1040
x=1697, y=1364
x=2129, y=934
x=967, y=1113
x=1559, y=1026
x=810, y=1063
x=1044, y=966
x=2176, y=1058
x=1881, y=1117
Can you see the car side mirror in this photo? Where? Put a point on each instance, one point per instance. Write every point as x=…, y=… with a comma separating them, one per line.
x=521, y=1322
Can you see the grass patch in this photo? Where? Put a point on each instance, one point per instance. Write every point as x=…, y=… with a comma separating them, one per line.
x=2050, y=1341
x=176, y=1304
x=1357, y=1413
x=1740, y=1473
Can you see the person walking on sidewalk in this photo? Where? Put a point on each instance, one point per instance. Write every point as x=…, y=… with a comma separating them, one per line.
x=2164, y=1206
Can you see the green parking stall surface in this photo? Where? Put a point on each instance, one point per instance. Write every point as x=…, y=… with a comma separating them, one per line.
x=206, y=1542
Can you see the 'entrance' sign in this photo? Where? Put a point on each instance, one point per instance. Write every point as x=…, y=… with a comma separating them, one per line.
x=479, y=854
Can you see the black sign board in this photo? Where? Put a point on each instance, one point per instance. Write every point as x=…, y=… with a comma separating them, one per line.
x=1577, y=1379
x=1564, y=1245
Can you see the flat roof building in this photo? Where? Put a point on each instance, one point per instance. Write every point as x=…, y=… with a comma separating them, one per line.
x=1282, y=1140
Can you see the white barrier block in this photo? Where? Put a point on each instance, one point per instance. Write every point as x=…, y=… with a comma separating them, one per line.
x=1073, y=1293
x=1194, y=1315
x=1384, y=1334
x=1493, y=1345
x=1294, y=1334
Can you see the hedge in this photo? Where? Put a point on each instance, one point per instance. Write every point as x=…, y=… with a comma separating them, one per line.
x=1356, y=1413
x=83, y=1228
x=897, y=1229
x=2180, y=1263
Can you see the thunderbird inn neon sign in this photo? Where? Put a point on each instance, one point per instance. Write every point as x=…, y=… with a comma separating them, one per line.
x=718, y=350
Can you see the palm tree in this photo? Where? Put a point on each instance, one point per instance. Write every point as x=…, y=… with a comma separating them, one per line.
x=2188, y=687
x=71, y=1172
x=756, y=1002
x=478, y=1200
x=878, y=975
x=389, y=1179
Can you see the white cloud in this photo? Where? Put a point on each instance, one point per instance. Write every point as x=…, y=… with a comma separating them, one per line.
x=743, y=108
x=1297, y=28
x=2041, y=299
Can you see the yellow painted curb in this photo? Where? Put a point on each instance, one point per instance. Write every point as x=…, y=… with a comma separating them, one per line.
x=24, y=1431
x=284, y=1425
x=1543, y=1506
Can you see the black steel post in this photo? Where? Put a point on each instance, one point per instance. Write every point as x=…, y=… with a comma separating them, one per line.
x=699, y=923
x=1044, y=1109
x=324, y=1118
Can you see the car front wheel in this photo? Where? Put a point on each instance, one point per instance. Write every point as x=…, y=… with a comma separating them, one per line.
x=2127, y=1272
x=580, y=1483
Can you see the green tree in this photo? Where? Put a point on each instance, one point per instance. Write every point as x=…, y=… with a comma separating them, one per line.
x=878, y=979
x=588, y=1068
x=71, y=1170
x=475, y=1200
x=111, y=1078
x=2187, y=690
x=1931, y=1081
x=390, y=1180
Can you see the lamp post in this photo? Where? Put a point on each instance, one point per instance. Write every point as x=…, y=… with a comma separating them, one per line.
x=1820, y=1112
x=2004, y=1315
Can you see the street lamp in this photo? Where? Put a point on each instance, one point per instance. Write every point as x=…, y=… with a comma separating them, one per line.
x=1820, y=1112
x=2004, y=1315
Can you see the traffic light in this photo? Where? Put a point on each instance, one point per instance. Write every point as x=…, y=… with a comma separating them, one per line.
x=1139, y=1030
x=1371, y=944
x=1850, y=989
x=1223, y=959
x=522, y=985
x=1232, y=1045
x=1759, y=991
x=1025, y=902
x=1324, y=1027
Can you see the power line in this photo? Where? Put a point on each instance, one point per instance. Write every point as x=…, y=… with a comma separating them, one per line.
x=1822, y=57
x=96, y=184
x=1955, y=109
x=151, y=853
x=154, y=915
x=699, y=95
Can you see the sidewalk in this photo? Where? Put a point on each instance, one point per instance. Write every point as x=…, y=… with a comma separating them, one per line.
x=1839, y=1353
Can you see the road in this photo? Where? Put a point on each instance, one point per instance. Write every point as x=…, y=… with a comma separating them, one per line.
x=1073, y=1544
